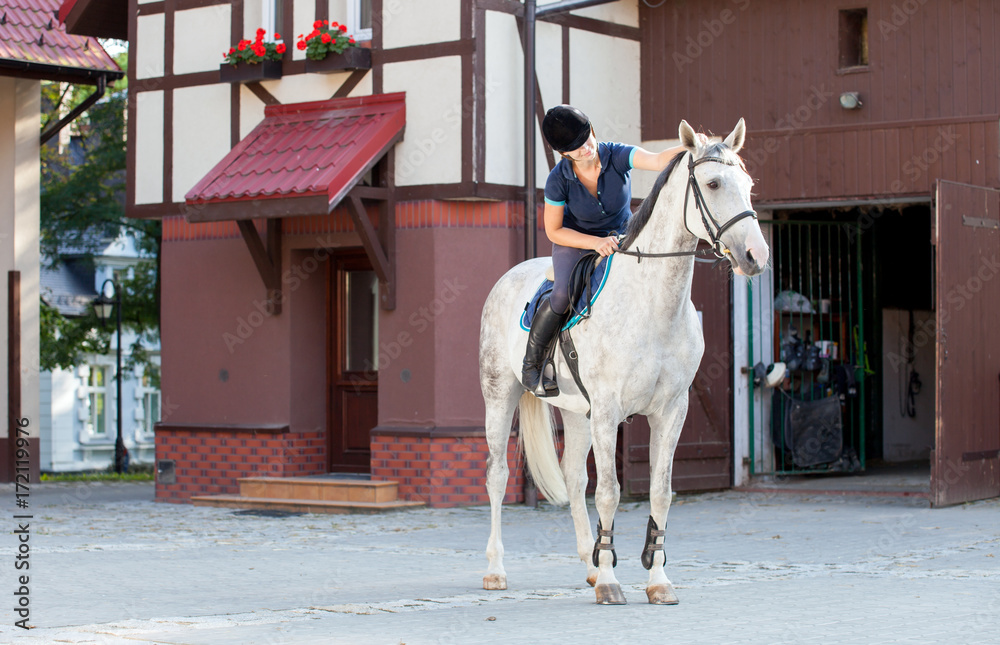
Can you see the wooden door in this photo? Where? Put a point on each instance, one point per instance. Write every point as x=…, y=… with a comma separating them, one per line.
x=704, y=455
x=353, y=361
x=966, y=461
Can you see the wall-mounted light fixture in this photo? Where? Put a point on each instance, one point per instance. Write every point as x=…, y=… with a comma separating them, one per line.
x=850, y=100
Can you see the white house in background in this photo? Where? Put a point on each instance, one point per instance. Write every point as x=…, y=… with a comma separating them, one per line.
x=77, y=423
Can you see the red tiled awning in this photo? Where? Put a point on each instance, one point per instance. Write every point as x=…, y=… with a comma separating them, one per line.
x=302, y=159
x=34, y=44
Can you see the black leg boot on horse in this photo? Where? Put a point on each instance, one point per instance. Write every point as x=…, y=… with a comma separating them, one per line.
x=545, y=327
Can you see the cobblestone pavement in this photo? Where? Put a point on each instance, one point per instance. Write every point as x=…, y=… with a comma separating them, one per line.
x=108, y=565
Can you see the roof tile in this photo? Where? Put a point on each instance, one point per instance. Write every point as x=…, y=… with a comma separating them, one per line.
x=27, y=21
x=305, y=148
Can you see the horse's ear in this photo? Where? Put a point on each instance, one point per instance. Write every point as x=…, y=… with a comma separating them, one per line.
x=736, y=137
x=687, y=136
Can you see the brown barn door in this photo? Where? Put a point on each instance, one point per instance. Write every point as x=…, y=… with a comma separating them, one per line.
x=966, y=462
x=353, y=362
x=704, y=455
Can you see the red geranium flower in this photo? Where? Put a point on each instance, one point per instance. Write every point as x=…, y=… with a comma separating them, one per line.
x=351, y=40
x=301, y=45
x=317, y=24
x=277, y=36
x=242, y=45
x=261, y=32
x=343, y=28
x=326, y=38
x=280, y=48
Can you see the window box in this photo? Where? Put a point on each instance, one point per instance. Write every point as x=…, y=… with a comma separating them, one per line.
x=248, y=73
x=353, y=58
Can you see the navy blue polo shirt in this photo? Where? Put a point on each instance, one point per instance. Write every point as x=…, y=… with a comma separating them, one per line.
x=582, y=212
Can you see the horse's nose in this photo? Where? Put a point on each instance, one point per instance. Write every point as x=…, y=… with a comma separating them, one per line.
x=750, y=257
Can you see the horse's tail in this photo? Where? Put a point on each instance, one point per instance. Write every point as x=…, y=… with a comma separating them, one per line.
x=538, y=441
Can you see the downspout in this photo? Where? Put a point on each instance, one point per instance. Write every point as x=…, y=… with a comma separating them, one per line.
x=530, y=15
x=53, y=130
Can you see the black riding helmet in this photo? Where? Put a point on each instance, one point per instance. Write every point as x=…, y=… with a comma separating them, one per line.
x=565, y=128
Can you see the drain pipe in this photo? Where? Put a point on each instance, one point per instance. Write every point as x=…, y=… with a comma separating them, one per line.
x=530, y=208
x=53, y=130
x=530, y=215
x=531, y=13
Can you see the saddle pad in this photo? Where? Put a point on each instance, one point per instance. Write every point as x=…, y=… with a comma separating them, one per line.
x=597, y=281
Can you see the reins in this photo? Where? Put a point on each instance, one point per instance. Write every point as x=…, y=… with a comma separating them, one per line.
x=719, y=249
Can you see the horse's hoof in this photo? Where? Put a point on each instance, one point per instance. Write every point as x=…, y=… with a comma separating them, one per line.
x=494, y=582
x=661, y=595
x=592, y=579
x=609, y=595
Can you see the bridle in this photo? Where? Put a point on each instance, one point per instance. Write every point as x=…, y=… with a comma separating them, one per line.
x=719, y=248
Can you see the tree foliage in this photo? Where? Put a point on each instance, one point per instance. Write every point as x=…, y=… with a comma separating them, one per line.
x=82, y=212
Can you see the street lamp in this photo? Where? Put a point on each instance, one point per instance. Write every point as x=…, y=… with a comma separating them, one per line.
x=102, y=307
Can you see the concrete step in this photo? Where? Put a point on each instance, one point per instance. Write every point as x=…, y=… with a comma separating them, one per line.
x=326, y=489
x=301, y=505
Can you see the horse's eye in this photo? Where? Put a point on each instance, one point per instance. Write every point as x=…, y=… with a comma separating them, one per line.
x=713, y=184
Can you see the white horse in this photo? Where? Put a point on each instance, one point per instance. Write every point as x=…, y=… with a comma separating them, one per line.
x=638, y=354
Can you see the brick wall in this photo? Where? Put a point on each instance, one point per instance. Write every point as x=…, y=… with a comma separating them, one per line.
x=209, y=462
x=443, y=471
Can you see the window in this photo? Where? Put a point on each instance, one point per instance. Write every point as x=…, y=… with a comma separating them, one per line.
x=361, y=324
x=150, y=404
x=853, y=38
x=359, y=19
x=272, y=18
x=97, y=396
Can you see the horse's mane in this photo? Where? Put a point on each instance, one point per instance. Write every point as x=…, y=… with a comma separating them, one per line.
x=641, y=217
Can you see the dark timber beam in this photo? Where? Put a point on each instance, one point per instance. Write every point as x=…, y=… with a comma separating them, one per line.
x=380, y=245
x=267, y=258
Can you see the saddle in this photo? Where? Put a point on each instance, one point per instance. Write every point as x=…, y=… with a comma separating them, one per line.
x=586, y=286
x=586, y=283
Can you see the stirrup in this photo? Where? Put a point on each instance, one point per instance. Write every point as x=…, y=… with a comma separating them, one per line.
x=547, y=387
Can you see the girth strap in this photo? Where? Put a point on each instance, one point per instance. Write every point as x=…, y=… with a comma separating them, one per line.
x=573, y=362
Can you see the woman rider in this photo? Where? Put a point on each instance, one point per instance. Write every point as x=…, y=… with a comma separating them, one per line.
x=587, y=196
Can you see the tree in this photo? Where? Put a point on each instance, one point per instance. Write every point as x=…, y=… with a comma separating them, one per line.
x=83, y=210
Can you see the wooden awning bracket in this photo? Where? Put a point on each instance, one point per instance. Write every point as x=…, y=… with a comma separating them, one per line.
x=267, y=257
x=380, y=244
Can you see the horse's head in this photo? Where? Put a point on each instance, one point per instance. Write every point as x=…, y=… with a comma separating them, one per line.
x=719, y=209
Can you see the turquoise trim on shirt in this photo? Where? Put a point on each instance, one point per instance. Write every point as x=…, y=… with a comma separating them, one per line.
x=630, y=155
x=554, y=203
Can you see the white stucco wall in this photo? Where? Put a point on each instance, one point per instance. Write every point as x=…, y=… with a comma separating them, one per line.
x=148, y=147
x=419, y=22
x=906, y=438
x=201, y=37
x=149, y=46
x=201, y=134
x=20, y=122
x=604, y=83
x=504, y=101
x=623, y=12
x=431, y=152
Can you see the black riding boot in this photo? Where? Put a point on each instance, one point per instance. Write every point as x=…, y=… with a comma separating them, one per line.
x=544, y=327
